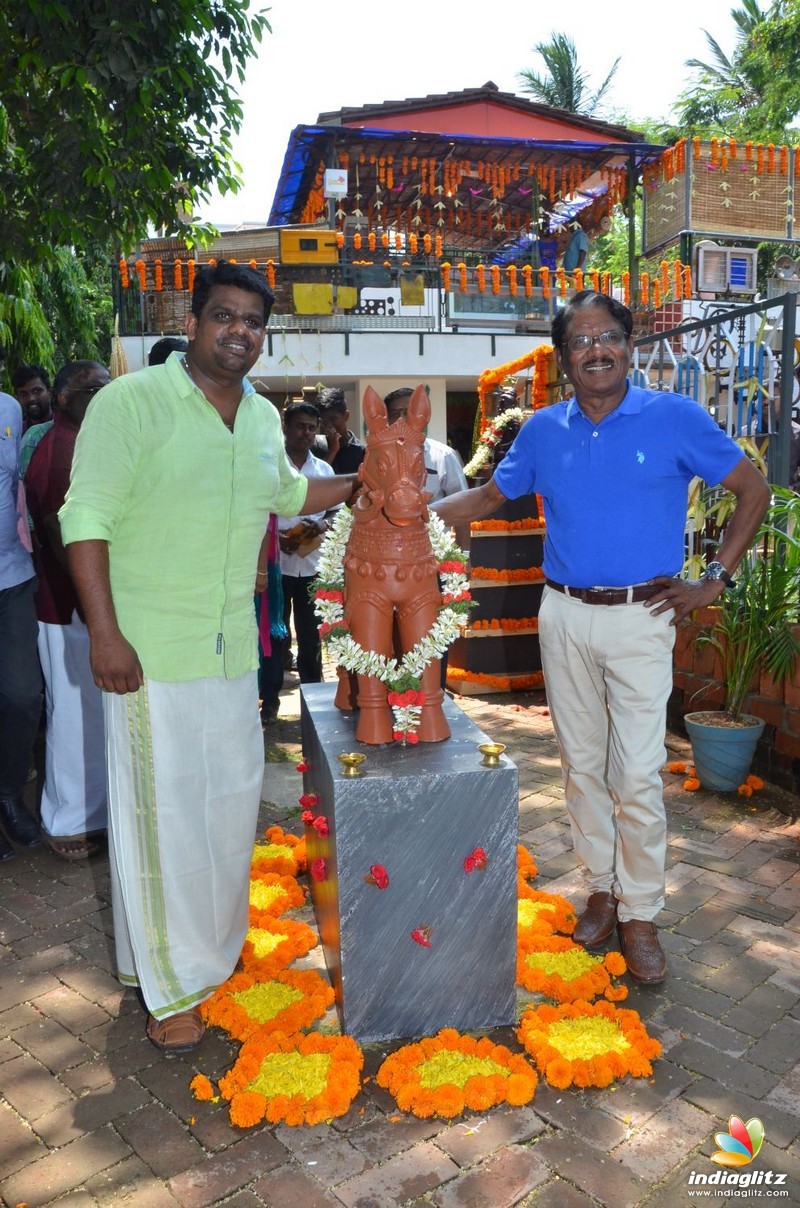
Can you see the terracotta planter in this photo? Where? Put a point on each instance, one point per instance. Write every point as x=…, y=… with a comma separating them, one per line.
x=723, y=750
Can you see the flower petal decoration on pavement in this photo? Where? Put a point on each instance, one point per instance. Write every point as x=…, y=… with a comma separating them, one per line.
x=271, y=895
x=292, y=1078
x=271, y=948
x=283, y=853
x=555, y=966
x=540, y=913
x=526, y=865
x=587, y=1044
x=288, y=1002
x=448, y=1073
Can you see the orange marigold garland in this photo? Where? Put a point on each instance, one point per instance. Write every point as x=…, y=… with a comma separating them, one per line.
x=271, y=948
x=445, y=1074
x=587, y=1044
x=503, y=683
x=294, y=1079
x=288, y=1002
x=555, y=966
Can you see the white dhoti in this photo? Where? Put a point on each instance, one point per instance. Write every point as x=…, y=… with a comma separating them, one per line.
x=185, y=770
x=74, y=793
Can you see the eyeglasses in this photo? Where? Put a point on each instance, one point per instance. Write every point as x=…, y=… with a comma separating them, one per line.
x=613, y=339
x=87, y=389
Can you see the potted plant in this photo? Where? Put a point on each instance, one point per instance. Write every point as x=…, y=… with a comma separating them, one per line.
x=754, y=632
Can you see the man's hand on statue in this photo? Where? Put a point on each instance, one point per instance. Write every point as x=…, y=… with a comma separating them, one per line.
x=115, y=665
x=683, y=595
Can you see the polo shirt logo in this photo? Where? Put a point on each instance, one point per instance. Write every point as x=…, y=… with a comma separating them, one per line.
x=639, y=456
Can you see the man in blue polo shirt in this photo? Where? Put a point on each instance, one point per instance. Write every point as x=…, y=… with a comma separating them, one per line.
x=613, y=464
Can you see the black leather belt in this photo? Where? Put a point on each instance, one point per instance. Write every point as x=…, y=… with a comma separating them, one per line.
x=605, y=595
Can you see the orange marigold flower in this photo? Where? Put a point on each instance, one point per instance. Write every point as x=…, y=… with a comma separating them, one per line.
x=201, y=1087
x=744, y=790
x=676, y=766
x=755, y=782
x=692, y=784
x=247, y=1108
x=559, y=1073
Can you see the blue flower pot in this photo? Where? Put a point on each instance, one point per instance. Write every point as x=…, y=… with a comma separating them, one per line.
x=723, y=753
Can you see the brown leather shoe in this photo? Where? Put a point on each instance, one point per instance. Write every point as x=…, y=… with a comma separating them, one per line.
x=643, y=953
x=598, y=920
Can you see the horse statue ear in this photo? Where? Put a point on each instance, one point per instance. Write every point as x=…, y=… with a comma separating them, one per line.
x=374, y=411
x=419, y=409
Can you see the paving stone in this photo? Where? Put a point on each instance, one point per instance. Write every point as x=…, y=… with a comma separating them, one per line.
x=758, y=1011
x=409, y=1174
x=330, y=1157
x=471, y=1141
x=754, y=929
x=53, y=1045
x=160, y=1139
x=577, y=1113
x=560, y=1194
x=634, y=1100
x=71, y=1010
x=732, y=1072
x=69, y=1121
x=94, y=984
x=786, y=1093
x=779, y=1048
x=19, y=1145
x=224, y=1173
x=780, y=1126
x=64, y=1169
x=388, y=1136
x=656, y=1149
x=502, y=1181
x=609, y=1181
x=16, y=989
x=290, y=1187
x=707, y=921
x=696, y=1027
x=741, y=976
x=128, y=1184
x=30, y=1088
x=690, y=994
x=363, y=1111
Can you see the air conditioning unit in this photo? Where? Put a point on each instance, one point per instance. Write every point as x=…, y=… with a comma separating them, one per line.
x=725, y=270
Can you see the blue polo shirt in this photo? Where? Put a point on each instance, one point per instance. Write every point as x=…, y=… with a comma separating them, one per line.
x=615, y=493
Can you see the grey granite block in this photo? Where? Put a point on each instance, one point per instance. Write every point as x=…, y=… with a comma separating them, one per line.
x=417, y=811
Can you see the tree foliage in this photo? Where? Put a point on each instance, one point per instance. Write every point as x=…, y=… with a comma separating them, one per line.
x=115, y=116
x=565, y=85
x=755, y=93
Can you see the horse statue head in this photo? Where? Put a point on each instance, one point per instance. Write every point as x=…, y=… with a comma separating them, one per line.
x=393, y=472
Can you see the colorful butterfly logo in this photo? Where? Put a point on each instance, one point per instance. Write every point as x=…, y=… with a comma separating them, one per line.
x=741, y=1145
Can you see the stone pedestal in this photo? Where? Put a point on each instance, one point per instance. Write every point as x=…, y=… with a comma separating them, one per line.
x=418, y=812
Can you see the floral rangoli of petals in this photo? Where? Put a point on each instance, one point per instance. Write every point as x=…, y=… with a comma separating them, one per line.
x=544, y=912
x=292, y=1078
x=555, y=966
x=587, y=1044
x=271, y=948
x=287, y=1002
x=282, y=853
x=526, y=865
x=448, y=1073
x=271, y=895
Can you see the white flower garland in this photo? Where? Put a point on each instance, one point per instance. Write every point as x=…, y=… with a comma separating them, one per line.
x=401, y=677
x=491, y=438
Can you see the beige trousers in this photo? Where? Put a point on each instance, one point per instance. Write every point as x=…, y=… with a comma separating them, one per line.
x=608, y=674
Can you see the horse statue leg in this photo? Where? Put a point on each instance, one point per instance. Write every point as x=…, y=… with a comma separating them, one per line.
x=370, y=616
x=414, y=622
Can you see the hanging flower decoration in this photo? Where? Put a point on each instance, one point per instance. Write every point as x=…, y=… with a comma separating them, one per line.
x=401, y=677
x=178, y=267
x=190, y=271
x=531, y=574
x=540, y=913
x=158, y=275
x=271, y=895
x=490, y=438
x=141, y=273
x=270, y=949
x=554, y=966
x=292, y=1079
x=587, y=1044
x=447, y=1074
x=124, y=279
x=288, y=1002
x=500, y=683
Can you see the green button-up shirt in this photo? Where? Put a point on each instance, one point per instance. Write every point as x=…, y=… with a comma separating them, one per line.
x=183, y=504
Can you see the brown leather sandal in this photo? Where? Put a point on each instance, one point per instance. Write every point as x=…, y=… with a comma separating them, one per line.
x=177, y=1033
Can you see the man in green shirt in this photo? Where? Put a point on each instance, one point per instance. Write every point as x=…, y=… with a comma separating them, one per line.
x=176, y=471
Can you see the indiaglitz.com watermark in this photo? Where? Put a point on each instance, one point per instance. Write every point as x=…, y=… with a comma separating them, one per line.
x=743, y=1184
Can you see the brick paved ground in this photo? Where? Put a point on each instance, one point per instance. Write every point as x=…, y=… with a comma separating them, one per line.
x=92, y=1114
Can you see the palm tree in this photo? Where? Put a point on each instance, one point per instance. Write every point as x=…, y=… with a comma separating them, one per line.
x=564, y=86
x=723, y=71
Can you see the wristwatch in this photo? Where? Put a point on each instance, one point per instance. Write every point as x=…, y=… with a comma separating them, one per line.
x=715, y=570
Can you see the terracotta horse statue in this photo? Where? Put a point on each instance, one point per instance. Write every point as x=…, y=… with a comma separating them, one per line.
x=391, y=588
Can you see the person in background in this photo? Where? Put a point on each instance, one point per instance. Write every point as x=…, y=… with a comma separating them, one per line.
x=345, y=452
x=20, y=677
x=165, y=347
x=73, y=805
x=166, y=552
x=613, y=464
x=272, y=632
x=300, y=537
x=31, y=386
x=577, y=248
